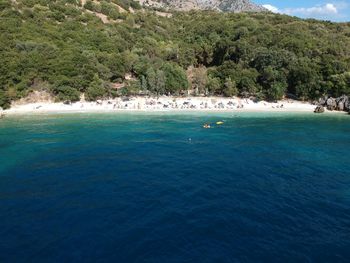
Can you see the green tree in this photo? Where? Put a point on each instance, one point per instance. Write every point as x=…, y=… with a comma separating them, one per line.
x=143, y=84
x=160, y=82
x=151, y=79
x=155, y=81
x=304, y=80
x=247, y=82
x=213, y=85
x=274, y=83
x=66, y=93
x=89, y=5
x=96, y=89
x=199, y=80
x=175, y=78
x=230, y=88
x=340, y=84
x=5, y=100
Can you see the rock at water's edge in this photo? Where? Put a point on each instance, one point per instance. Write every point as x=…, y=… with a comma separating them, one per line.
x=331, y=104
x=343, y=103
x=319, y=109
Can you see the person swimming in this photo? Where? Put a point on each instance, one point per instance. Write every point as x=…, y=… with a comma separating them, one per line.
x=206, y=126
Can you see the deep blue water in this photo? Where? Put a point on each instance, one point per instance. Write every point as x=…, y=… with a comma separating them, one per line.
x=160, y=188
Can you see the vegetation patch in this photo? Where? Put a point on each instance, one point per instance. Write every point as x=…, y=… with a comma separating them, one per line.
x=249, y=54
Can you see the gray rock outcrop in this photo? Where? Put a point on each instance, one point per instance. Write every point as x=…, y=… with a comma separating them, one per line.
x=319, y=109
x=331, y=104
x=235, y=6
x=341, y=103
x=322, y=101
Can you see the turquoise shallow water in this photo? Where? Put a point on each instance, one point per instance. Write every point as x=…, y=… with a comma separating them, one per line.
x=160, y=188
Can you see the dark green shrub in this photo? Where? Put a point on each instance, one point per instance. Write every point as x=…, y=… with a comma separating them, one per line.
x=175, y=78
x=66, y=93
x=96, y=90
x=5, y=101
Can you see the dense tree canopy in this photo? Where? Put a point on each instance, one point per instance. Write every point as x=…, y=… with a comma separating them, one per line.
x=67, y=48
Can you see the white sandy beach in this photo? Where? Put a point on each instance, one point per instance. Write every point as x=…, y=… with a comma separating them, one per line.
x=163, y=103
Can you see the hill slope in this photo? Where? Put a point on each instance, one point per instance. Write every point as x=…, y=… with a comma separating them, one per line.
x=65, y=48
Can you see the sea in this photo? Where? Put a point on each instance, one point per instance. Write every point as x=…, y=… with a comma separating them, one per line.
x=158, y=187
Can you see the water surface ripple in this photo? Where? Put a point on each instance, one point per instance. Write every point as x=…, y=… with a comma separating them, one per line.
x=160, y=188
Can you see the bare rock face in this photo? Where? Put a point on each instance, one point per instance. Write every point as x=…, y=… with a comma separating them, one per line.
x=240, y=6
x=322, y=101
x=341, y=103
x=235, y=6
x=331, y=104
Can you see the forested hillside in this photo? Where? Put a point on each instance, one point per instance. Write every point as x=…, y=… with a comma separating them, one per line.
x=113, y=48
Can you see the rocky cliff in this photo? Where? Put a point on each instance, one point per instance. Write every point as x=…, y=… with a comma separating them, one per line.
x=235, y=6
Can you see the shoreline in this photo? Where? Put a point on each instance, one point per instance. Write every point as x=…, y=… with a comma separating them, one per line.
x=163, y=104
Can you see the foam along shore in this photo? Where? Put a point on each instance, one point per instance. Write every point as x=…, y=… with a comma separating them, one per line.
x=163, y=103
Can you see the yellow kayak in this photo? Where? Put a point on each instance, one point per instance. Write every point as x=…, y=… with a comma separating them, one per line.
x=220, y=123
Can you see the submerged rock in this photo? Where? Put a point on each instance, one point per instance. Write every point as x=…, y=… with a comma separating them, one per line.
x=319, y=109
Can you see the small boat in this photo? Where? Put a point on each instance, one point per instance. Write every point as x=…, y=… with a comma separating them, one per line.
x=219, y=123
